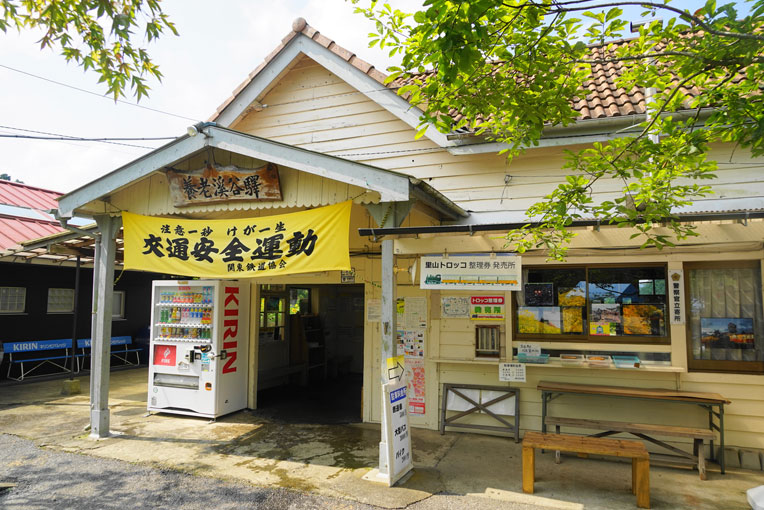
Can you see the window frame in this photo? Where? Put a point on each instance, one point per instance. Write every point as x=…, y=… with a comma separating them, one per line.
x=283, y=297
x=484, y=353
x=59, y=312
x=121, y=314
x=710, y=365
x=587, y=337
x=23, y=304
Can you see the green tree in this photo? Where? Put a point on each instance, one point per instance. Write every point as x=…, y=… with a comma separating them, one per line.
x=514, y=67
x=99, y=35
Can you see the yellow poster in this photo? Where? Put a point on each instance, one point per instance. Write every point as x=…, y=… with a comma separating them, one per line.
x=301, y=242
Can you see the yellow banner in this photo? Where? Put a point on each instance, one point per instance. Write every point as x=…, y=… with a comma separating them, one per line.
x=301, y=242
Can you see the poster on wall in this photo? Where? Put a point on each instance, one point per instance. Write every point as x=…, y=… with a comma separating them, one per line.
x=497, y=271
x=539, y=319
x=411, y=342
x=415, y=312
x=605, y=319
x=416, y=379
x=487, y=308
x=539, y=294
x=455, y=307
x=727, y=332
x=373, y=310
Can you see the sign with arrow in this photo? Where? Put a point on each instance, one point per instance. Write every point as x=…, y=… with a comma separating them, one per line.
x=395, y=368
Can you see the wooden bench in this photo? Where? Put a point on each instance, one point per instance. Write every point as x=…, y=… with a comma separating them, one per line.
x=121, y=349
x=640, y=458
x=37, y=353
x=643, y=431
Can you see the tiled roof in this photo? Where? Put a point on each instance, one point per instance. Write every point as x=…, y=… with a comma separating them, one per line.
x=604, y=100
x=23, y=213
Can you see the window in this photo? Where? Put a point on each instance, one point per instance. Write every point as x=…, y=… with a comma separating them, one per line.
x=299, y=301
x=13, y=299
x=272, y=315
x=487, y=341
x=118, y=305
x=594, y=304
x=60, y=300
x=725, y=327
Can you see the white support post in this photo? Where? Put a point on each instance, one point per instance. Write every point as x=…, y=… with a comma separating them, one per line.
x=103, y=292
x=388, y=334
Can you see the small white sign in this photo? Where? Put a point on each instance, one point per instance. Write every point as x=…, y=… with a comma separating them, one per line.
x=373, y=310
x=529, y=349
x=498, y=271
x=455, y=307
x=512, y=372
x=347, y=276
x=676, y=295
x=397, y=433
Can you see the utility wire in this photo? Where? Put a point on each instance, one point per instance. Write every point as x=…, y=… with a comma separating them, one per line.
x=57, y=136
x=95, y=93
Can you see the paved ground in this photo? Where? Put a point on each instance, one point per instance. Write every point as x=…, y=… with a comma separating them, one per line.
x=48, y=479
x=253, y=458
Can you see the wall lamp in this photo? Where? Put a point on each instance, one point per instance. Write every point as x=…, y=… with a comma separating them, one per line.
x=199, y=128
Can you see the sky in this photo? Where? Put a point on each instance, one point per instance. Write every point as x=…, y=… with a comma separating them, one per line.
x=219, y=44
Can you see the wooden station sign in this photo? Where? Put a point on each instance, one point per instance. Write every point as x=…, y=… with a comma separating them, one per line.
x=224, y=184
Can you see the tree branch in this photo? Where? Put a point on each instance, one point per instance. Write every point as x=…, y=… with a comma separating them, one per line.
x=565, y=7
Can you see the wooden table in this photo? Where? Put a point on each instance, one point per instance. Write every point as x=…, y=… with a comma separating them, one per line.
x=711, y=402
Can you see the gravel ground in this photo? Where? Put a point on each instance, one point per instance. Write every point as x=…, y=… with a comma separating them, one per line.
x=48, y=479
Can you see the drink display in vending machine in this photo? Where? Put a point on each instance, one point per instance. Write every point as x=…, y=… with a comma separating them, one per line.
x=199, y=343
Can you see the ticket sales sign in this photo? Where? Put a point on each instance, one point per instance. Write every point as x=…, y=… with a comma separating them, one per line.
x=397, y=433
x=496, y=271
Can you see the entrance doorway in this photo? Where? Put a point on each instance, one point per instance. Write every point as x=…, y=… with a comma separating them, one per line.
x=310, y=362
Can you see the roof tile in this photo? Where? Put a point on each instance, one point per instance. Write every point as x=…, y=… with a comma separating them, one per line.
x=604, y=99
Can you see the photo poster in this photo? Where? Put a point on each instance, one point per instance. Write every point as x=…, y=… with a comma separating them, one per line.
x=643, y=320
x=605, y=319
x=727, y=332
x=572, y=319
x=571, y=296
x=455, y=307
x=539, y=294
x=539, y=319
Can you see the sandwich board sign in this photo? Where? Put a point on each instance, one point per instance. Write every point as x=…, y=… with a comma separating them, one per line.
x=397, y=432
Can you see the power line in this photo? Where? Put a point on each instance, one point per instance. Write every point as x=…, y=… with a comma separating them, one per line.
x=60, y=137
x=96, y=93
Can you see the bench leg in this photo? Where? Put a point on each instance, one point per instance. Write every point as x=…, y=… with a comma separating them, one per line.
x=700, y=451
x=557, y=452
x=640, y=481
x=529, y=469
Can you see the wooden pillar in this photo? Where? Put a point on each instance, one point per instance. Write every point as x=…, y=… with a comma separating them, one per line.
x=388, y=333
x=103, y=292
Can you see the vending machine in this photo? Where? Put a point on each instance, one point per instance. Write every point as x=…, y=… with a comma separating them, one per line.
x=199, y=345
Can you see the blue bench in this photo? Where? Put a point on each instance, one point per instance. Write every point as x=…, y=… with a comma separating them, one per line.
x=121, y=349
x=56, y=354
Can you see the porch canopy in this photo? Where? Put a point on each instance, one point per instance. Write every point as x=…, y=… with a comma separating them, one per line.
x=307, y=179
